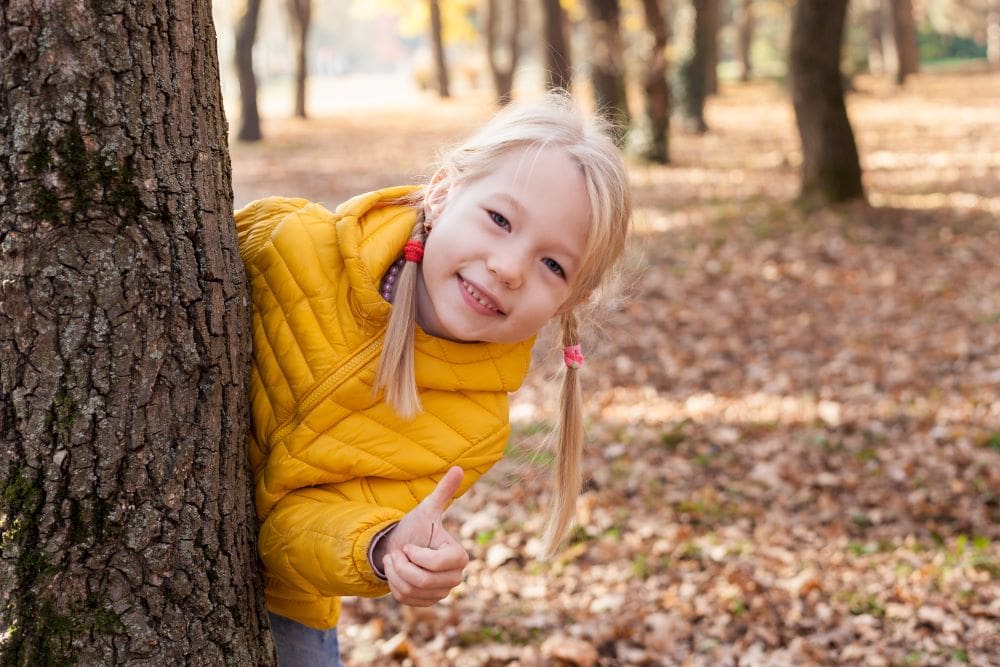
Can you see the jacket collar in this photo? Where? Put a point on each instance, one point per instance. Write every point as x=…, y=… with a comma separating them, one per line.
x=371, y=231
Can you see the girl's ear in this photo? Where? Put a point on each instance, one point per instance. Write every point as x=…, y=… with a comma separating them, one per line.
x=437, y=194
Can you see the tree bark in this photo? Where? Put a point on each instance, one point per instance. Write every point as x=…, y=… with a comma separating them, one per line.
x=695, y=70
x=656, y=85
x=246, y=35
x=904, y=30
x=831, y=170
x=558, y=66
x=300, y=17
x=503, y=75
x=127, y=530
x=744, y=38
x=437, y=42
x=607, y=65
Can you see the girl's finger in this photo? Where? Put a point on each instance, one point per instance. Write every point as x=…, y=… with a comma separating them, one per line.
x=449, y=557
x=419, y=579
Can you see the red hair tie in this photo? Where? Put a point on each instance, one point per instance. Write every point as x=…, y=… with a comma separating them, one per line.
x=573, y=356
x=413, y=251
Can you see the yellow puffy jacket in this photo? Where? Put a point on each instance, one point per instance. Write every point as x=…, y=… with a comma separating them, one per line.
x=333, y=465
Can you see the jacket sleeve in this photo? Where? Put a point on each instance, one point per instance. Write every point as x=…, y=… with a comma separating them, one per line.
x=317, y=538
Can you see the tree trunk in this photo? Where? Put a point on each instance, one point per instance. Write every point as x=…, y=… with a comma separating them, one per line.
x=993, y=33
x=607, y=65
x=744, y=37
x=713, y=17
x=437, y=41
x=656, y=85
x=300, y=17
x=695, y=70
x=127, y=530
x=558, y=67
x=246, y=35
x=904, y=30
x=503, y=75
x=831, y=170
x=874, y=20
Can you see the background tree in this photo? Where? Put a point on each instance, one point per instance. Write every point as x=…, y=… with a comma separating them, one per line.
x=437, y=48
x=299, y=18
x=993, y=32
x=904, y=32
x=503, y=48
x=607, y=64
x=744, y=19
x=831, y=170
x=656, y=85
x=695, y=72
x=246, y=35
x=126, y=521
x=555, y=43
x=713, y=18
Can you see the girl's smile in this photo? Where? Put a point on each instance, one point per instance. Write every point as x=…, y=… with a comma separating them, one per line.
x=504, y=249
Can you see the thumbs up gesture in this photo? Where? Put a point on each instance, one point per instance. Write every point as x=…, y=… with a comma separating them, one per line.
x=422, y=561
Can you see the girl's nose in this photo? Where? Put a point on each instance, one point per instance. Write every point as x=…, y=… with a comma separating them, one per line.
x=508, y=267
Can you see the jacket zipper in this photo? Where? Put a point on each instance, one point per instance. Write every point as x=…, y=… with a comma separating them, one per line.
x=318, y=393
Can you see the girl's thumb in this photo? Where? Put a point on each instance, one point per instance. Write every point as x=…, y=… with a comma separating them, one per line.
x=445, y=490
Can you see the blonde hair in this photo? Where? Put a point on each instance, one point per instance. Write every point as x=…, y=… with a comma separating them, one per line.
x=553, y=122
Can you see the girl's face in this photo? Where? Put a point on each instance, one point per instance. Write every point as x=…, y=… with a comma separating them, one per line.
x=503, y=250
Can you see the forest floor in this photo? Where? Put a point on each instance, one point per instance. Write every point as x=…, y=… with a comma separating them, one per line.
x=794, y=417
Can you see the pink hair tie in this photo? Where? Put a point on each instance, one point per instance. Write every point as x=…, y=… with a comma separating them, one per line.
x=413, y=251
x=573, y=356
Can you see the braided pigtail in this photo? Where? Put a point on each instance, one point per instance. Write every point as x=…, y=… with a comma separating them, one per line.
x=569, y=453
x=395, y=373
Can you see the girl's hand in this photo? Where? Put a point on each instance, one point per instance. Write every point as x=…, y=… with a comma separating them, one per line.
x=422, y=561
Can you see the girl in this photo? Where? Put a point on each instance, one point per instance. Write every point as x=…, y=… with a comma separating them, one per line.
x=387, y=336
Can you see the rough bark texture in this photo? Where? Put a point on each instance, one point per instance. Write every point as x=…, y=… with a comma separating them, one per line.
x=695, y=70
x=558, y=66
x=831, y=170
x=300, y=18
x=507, y=50
x=246, y=35
x=744, y=38
x=127, y=533
x=607, y=64
x=437, y=40
x=656, y=84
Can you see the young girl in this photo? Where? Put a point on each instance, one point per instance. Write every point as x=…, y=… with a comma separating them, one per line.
x=387, y=336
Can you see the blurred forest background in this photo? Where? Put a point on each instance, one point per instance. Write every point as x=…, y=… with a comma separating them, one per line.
x=794, y=436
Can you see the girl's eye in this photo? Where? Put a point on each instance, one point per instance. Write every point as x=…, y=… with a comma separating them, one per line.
x=553, y=266
x=500, y=220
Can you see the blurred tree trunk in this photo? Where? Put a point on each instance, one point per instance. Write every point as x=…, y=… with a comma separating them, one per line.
x=993, y=33
x=695, y=70
x=713, y=19
x=874, y=20
x=246, y=35
x=127, y=528
x=437, y=40
x=744, y=39
x=558, y=66
x=300, y=17
x=503, y=76
x=607, y=64
x=904, y=32
x=656, y=84
x=831, y=170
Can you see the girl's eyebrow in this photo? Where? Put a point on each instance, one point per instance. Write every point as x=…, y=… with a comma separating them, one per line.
x=511, y=201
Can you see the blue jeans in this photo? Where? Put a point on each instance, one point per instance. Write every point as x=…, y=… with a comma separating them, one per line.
x=301, y=646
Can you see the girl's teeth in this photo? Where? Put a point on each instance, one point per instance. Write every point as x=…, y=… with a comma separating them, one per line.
x=477, y=297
